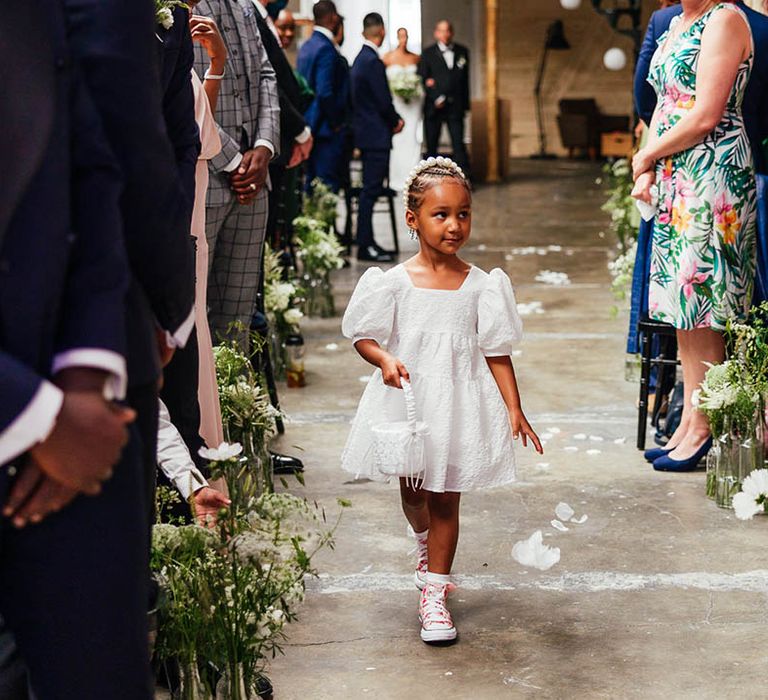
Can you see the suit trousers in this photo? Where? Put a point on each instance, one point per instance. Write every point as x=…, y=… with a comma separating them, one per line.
x=73, y=590
x=375, y=171
x=328, y=162
x=433, y=125
x=236, y=236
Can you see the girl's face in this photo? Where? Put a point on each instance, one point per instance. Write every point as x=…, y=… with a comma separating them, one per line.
x=444, y=220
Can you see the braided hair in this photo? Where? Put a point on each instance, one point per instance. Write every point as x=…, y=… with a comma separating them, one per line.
x=428, y=174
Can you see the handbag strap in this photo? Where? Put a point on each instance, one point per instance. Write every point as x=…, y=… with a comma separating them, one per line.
x=410, y=404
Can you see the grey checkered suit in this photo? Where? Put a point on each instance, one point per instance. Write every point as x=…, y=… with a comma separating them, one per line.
x=248, y=111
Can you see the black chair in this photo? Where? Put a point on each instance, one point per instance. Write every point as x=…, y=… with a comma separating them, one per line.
x=665, y=361
x=385, y=204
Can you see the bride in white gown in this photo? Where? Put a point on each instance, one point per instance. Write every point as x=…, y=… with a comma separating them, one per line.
x=408, y=96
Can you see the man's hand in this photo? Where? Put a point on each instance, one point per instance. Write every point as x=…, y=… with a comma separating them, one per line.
x=208, y=503
x=85, y=443
x=166, y=351
x=251, y=175
x=35, y=496
x=400, y=126
x=300, y=152
x=440, y=102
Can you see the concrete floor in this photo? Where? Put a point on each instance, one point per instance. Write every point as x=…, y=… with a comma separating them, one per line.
x=658, y=595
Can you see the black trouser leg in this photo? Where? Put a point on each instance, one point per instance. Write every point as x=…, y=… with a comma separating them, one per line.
x=375, y=171
x=433, y=124
x=456, y=130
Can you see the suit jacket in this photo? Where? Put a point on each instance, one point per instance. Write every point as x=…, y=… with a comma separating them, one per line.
x=755, y=106
x=177, y=58
x=374, y=113
x=63, y=268
x=116, y=46
x=248, y=109
x=292, y=122
x=328, y=78
x=452, y=83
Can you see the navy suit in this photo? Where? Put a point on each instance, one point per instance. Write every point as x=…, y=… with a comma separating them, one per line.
x=327, y=115
x=81, y=573
x=373, y=122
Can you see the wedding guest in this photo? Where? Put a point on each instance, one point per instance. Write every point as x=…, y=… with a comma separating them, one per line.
x=123, y=77
x=319, y=63
x=296, y=135
x=402, y=66
x=444, y=68
x=248, y=117
x=698, y=153
x=205, y=32
x=286, y=28
x=181, y=375
x=375, y=121
x=73, y=527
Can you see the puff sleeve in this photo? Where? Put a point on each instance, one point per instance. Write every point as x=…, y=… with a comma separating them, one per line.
x=370, y=314
x=499, y=327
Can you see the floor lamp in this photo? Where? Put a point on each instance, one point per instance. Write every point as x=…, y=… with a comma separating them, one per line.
x=555, y=41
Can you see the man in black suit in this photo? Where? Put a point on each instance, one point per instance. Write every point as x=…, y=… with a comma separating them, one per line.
x=73, y=532
x=117, y=46
x=444, y=68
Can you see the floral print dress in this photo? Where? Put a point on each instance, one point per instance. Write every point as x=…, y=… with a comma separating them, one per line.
x=703, y=260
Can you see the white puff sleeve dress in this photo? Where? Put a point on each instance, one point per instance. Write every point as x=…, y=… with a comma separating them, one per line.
x=442, y=337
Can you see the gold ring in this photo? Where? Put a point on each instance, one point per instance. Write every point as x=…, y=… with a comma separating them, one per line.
x=253, y=186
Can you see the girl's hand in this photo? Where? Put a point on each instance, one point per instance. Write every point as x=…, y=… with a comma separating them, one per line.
x=521, y=426
x=643, y=185
x=207, y=34
x=642, y=163
x=392, y=370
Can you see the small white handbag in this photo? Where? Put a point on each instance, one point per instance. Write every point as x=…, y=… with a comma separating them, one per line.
x=399, y=447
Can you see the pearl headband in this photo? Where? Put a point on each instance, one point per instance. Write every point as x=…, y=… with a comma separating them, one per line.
x=439, y=162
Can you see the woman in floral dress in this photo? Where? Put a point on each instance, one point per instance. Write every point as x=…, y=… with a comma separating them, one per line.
x=699, y=157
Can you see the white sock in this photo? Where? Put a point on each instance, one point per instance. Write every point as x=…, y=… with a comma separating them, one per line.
x=421, y=537
x=438, y=579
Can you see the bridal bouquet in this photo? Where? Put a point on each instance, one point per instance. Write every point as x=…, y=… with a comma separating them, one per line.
x=406, y=86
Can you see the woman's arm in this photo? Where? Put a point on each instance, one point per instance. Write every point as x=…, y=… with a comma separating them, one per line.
x=391, y=368
x=504, y=374
x=724, y=44
x=206, y=32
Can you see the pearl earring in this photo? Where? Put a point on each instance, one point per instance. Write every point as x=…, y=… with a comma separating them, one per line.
x=414, y=233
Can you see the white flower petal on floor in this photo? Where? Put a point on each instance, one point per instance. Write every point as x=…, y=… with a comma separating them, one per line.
x=596, y=438
x=517, y=353
x=559, y=526
x=556, y=279
x=364, y=379
x=581, y=520
x=594, y=452
x=332, y=346
x=564, y=511
x=571, y=448
x=543, y=467
x=222, y=453
x=620, y=441
x=534, y=553
x=745, y=506
x=546, y=436
x=554, y=431
x=531, y=308
x=580, y=436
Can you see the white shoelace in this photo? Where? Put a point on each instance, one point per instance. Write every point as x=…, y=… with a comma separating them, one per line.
x=434, y=613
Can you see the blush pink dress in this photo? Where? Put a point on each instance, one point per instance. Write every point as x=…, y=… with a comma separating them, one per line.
x=210, y=411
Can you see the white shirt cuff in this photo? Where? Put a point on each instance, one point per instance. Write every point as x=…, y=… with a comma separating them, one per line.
x=181, y=336
x=96, y=358
x=232, y=165
x=304, y=136
x=33, y=425
x=174, y=459
x=266, y=144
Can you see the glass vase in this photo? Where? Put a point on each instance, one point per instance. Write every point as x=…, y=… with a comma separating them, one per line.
x=742, y=451
x=713, y=459
x=727, y=483
x=190, y=685
x=277, y=353
x=232, y=686
x=632, y=368
x=318, y=295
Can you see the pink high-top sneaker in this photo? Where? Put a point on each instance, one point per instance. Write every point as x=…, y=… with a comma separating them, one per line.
x=436, y=622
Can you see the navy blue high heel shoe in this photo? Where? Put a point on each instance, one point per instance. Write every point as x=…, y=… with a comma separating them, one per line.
x=667, y=464
x=655, y=452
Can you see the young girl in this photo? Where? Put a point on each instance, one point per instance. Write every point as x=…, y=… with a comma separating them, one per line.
x=448, y=328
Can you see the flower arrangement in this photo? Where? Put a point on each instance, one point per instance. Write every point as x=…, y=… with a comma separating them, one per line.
x=625, y=217
x=406, y=86
x=319, y=253
x=322, y=204
x=622, y=269
x=230, y=590
x=164, y=11
x=753, y=497
x=247, y=413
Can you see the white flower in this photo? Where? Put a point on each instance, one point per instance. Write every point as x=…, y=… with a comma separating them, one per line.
x=223, y=453
x=745, y=506
x=165, y=17
x=753, y=496
x=756, y=484
x=696, y=398
x=534, y=553
x=293, y=317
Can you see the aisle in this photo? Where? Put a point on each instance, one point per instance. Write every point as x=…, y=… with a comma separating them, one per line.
x=659, y=593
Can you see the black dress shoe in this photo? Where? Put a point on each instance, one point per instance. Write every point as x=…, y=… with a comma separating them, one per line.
x=372, y=254
x=283, y=464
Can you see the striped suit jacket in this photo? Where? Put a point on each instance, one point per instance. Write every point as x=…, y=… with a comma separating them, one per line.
x=248, y=98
